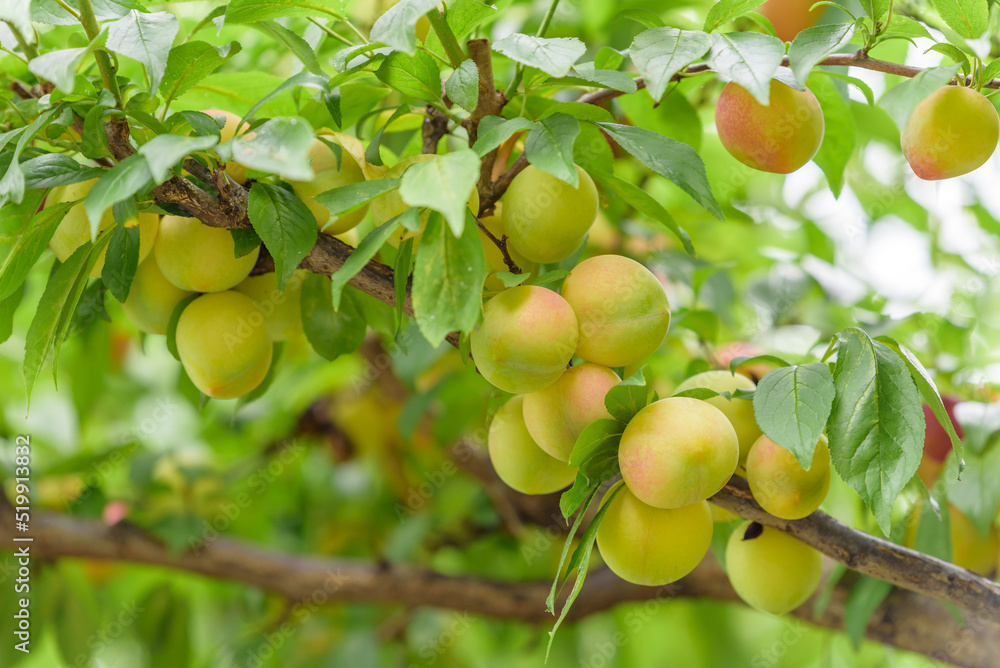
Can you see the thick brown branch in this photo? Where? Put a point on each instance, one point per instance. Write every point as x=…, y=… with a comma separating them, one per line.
x=501, y=245
x=490, y=103
x=434, y=127
x=499, y=187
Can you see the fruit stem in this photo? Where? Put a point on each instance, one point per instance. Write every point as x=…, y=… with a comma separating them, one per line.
x=502, y=245
x=89, y=22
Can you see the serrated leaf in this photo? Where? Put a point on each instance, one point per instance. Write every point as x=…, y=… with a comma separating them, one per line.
x=443, y=184
x=554, y=56
x=749, y=59
x=55, y=169
x=164, y=152
x=462, y=86
x=628, y=397
x=145, y=38
x=355, y=195
x=398, y=26
x=417, y=75
x=863, y=600
x=121, y=260
x=280, y=146
x=876, y=9
x=792, y=404
x=59, y=67
x=29, y=247
x=121, y=181
x=492, y=135
x=285, y=225
x=251, y=11
x=952, y=52
x=571, y=500
x=191, y=62
x=330, y=332
x=659, y=53
x=605, y=78
x=903, y=98
x=400, y=279
x=976, y=494
x=838, y=135
x=876, y=425
x=814, y=44
x=549, y=146
x=600, y=436
x=245, y=241
x=298, y=46
x=969, y=18
x=361, y=255
x=647, y=205
x=727, y=10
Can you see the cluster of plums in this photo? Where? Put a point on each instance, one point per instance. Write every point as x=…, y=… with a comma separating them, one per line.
x=951, y=132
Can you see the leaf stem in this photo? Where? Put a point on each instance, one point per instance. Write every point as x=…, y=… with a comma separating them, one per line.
x=330, y=32
x=75, y=14
x=89, y=22
x=447, y=37
x=29, y=49
x=500, y=244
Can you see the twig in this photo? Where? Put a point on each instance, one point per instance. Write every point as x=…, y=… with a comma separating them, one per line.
x=501, y=244
x=29, y=49
x=490, y=103
x=89, y=21
x=447, y=37
x=434, y=127
x=499, y=187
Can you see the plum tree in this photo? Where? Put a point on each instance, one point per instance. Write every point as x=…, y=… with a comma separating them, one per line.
x=969, y=548
x=518, y=460
x=739, y=411
x=494, y=258
x=332, y=169
x=152, y=298
x=770, y=570
x=622, y=309
x=780, y=485
x=547, y=218
x=282, y=310
x=558, y=414
x=227, y=132
x=526, y=339
x=937, y=443
x=790, y=17
x=953, y=131
x=677, y=451
x=780, y=137
x=223, y=344
x=652, y=546
x=194, y=256
x=74, y=229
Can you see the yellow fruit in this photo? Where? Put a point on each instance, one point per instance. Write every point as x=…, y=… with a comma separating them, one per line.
x=152, y=298
x=781, y=486
x=558, y=414
x=677, y=451
x=652, y=546
x=526, y=339
x=282, y=310
x=720, y=514
x=621, y=307
x=223, y=344
x=780, y=137
x=968, y=548
x=770, y=570
x=74, y=230
x=546, y=218
x=953, y=131
x=194, y=256
x=235, y=170
x=330, y=173
x=494, y=258
x=739, y=411
x=790, y=17
x=518, y=460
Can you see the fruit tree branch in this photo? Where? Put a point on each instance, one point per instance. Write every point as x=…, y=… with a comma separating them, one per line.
x=490, y=103
x=905, y=620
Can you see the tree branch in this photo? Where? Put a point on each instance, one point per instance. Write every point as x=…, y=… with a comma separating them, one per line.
x=490, y=103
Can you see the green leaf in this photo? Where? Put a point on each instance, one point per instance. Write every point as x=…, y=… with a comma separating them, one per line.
x=571, y=500
x=702, y=322
x=285, y=225
x=145, y=38
x=904, y=26
x=464, y=15
x=245, y=241
x=121, y=261
x=55, y=169
x=295, y=44
x=876, y=425
x=300, y=80
x=398, y=26
x=977, y=495
x=553, y=56
x=839, y=133
x=903, y=98
x=443, y=184
x=549, y=146
x=792, y=404
x=727, y=10
x=401, y=276
x=29, y=247
x=599, y=436
x=605, y=78
x=678, y=163
x=749, y=59
x=191, y=62
x=814, y=44
x=12, y=183
x=365, y=251
x=629, y=397
x=876, y=9
x=120, y=182
x=645, y=204
x=355, y=195
x=969, y=18
x=279, y=146
x=164, y=152
x=59, y=67
x=417, y=75
x=991, y=70
x=952, y=52
x=447, y=281
x=164, y=628
x=331, y=333
x=492, y=135
x=8, y=307
x=462, y=86
x=251, y=11
x=863, y=600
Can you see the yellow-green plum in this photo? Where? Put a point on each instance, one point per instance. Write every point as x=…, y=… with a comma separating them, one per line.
x=547, y=218
x=720, y=514
x=235, y=170
x=739, y=411
x=558, y=414
x=74, y=229
x=194, y=256
x=282, y=310
x=621, y=307
x=152, y=298
x=330, y=172
x=223, y=344
x=780, y=485
x=518, y=460
x=677, y=451
x=494, y=258
x=770, y=570
x=780, y=137
x=969, y=549
x=526, y=339
x=652, y=546
x=951, y=132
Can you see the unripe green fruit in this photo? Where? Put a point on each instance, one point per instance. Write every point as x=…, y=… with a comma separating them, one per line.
x=780, y=137
x=518, y=460
x=223, y=344
x=526, y=339
x=720, y=514
x=282, y=310
x=558, y=414
x=547, y=218
x=329, y=174
x=152, y=298
x=953, y=131
x=968, y=548
x=677, y=451
x=781, y=486
x=194, y=256
x=621, y=307
x=494, y=258
x=652, y=546
x=739, y=411
x=770, y=570
x=74, y=229
x=235, y=170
